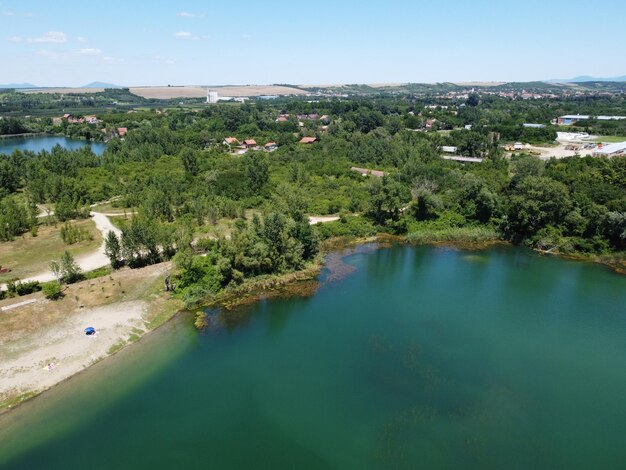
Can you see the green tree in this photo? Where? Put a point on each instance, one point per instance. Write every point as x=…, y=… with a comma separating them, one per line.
x=535, y=203
x=70, y=270
x=113, y=249
x=257, y=172
x=386, y=198
x=190, y=161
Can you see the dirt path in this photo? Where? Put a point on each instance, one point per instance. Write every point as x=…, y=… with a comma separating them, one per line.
x=316, y=219
x=90, y=261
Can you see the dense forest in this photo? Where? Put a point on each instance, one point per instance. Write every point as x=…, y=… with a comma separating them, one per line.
x=176, y=174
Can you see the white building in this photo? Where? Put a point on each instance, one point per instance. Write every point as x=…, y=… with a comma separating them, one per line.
x=611, y=150
x=212, y=97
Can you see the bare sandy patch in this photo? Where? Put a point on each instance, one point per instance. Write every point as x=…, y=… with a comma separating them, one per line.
x=44, y=358
x=323, y=219
x=43, y=342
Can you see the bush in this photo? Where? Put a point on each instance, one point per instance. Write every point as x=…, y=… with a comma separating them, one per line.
x=27, y=288
x=52, y=291
x=357, y=227
x=71, y=234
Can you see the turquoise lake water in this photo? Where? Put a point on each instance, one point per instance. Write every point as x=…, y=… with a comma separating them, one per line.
x=47, y=142
x=420, y=357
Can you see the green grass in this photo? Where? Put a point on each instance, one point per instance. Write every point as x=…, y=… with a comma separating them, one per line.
x=27, y=255
x=453, y=235
x=16, y=400
x=611, y=139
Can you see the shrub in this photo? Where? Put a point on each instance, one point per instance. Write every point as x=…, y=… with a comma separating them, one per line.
x=52, y=291
x=26, y=288
x=358, y=227
x=71, y=234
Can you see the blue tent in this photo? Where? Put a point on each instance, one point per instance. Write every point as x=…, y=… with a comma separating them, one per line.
x=90, y=330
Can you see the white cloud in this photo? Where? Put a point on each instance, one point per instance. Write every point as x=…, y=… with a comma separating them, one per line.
x=14, y=39
x=69, y=55
x=8, y=13
x=82, y=39
x=50, y=37
x=188, y=36
x=185, y=14
x=89, y=51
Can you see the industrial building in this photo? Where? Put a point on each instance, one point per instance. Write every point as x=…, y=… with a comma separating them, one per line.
x=610, y=150
x=571, y=119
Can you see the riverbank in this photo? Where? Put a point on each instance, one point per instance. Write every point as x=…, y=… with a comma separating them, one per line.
x=42, y=342
x=26, y=135
x=45, y=345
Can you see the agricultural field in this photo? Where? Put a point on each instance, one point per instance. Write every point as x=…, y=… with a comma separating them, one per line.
x=164, y=92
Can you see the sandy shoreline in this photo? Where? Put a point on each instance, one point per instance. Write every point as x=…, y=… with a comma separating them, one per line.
x=43, y=342
x=65, y=350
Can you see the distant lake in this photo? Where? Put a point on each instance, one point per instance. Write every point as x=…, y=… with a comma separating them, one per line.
x=406, y=357
x=47, y=142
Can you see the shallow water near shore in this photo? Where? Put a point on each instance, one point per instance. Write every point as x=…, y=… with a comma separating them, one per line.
x=413, y=357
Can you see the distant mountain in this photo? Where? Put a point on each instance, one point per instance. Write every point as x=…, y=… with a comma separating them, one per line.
x=587, y=78
x=19, y=85
x=101, y=85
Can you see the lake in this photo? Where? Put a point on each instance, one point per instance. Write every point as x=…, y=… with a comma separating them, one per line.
x=421, y=357
x=47, y=142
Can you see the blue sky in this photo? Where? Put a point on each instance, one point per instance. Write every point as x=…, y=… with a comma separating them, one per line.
x=63, y=43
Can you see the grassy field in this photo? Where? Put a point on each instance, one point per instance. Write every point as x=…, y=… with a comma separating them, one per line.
x=610, y=138
x=27, y=255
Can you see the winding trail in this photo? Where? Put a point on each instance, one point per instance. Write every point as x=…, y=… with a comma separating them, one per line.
x=90, y=261
x=99, y=259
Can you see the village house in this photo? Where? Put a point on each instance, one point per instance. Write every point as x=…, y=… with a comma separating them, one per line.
x=71, y=119
x=230, y=141
x=250, y=143
x=91, y=119
x=270, y=146
x=282, y=118
x=308, y=140
x=308, y=117
x=122, y=131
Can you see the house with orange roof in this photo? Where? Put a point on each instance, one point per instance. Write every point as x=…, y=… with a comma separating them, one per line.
x=270, y=146
x=308, y=140
x=231, y=141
